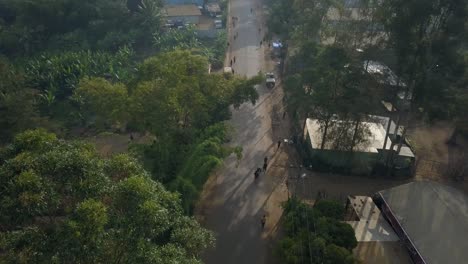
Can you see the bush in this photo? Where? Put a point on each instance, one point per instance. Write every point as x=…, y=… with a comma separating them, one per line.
x=316, y=235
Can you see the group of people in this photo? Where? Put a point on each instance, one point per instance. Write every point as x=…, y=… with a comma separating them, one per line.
x=258, y=171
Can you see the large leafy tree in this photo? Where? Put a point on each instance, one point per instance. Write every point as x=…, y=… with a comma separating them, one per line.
x=427, y=37
x=61, y=203
x=316, y=235
x=175, y=91
x=36, y=26
x=17, y=102
x=103, y=100
x=330, y=85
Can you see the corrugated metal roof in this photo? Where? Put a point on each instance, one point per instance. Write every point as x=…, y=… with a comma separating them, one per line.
x=435, y=217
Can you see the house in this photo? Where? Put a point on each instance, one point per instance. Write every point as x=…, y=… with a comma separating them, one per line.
x=431, y=219
x=188, y=14
x=365, y=155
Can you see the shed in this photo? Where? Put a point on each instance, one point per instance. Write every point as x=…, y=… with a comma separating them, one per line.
x=186, y=13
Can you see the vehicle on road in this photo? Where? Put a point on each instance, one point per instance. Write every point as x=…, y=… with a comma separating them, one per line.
x=270, y=80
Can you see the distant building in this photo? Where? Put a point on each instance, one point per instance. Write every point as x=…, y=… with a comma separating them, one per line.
x=188, y=14
x=352, y=22
x=213, y=9
x=184, y=2
x=431, y=219
x=365, y=156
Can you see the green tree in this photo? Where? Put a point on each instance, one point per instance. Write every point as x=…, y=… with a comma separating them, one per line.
x=102, y=100
x=313, y=237
x=62, y=203
x=18, y=109
x=330, y=208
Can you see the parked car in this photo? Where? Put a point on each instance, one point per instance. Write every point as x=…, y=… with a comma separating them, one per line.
x=270, y=80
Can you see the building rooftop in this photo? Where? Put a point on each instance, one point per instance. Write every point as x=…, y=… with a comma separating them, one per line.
x=377, y=126
x=376, y=140
x=181, y=10
x=183, y=2
x=213, y=7
x=382, y=73
x=434, y=217
x=371, y=225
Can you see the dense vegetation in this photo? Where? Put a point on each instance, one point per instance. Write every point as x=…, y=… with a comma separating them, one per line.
x=81, y=68
x=316, y=234
x=62, y=203
x=423, y=42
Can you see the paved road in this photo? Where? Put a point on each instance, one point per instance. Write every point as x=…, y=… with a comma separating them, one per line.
x=234, y=204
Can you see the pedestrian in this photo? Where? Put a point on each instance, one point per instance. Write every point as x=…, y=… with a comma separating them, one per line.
x=259, y=29
x=251, y=10
x=234, y=59
x=257, y=173
x=131, y=136
x=261, y=42
x=228, y=44
x=265, y=160
x=284, y=114
x=263, y=221
x=265, y=165
x=232, y=70
x=231, y=63
x=279, y=143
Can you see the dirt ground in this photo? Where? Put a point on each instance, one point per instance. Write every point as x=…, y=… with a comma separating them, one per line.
x=108, y=144
x=435, y=159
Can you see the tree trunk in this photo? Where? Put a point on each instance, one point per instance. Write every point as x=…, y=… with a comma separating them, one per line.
x=324, y=136
x=356, y=127
x=453, y=138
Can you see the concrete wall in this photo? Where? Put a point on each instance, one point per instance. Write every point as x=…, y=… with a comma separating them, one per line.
x=186, y=19
x=359, y=163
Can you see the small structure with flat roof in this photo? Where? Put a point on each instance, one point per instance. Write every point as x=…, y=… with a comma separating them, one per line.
x=366, y=154
x=189, y=14
x=430, y=218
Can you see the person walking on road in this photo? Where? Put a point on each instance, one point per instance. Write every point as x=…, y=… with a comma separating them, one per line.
x=263, y=221
x=279, y=143
x=257, y=173
x=265, y=164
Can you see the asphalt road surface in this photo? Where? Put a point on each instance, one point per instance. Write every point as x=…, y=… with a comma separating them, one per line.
x=236, y=202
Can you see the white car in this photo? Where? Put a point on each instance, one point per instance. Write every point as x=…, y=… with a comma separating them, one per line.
x=270, y=80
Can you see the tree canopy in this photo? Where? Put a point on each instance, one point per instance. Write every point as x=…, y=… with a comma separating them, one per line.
x=62, y=203
x=316, y=235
